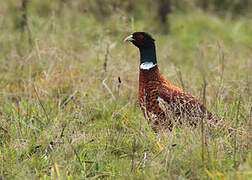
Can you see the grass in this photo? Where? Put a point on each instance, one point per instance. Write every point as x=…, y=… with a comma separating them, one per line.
x=59, y=121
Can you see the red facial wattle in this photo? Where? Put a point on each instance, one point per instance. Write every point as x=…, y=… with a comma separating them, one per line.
x=139, y=38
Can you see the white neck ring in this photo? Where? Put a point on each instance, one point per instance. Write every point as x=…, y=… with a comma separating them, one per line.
x=147, y=65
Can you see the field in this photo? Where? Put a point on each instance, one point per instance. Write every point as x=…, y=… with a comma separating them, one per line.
x=69, y=87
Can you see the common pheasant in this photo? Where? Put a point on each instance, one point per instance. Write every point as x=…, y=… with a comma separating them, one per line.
x=163, y=104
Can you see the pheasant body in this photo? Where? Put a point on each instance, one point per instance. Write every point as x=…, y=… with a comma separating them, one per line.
x=163, y=104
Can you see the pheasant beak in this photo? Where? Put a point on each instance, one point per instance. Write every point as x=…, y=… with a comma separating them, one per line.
x=129, y=38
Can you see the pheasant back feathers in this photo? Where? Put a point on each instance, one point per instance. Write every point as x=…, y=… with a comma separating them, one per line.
x=164, y=104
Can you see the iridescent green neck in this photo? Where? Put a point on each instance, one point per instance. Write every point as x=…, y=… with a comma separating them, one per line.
x=148, y=54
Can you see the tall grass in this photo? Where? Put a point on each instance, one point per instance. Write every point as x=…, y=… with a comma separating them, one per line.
x=64, y=117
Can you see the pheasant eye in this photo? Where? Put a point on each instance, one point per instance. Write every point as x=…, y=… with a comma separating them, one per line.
x=140, y=38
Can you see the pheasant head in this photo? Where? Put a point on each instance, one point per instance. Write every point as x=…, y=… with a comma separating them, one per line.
x=146, y=45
